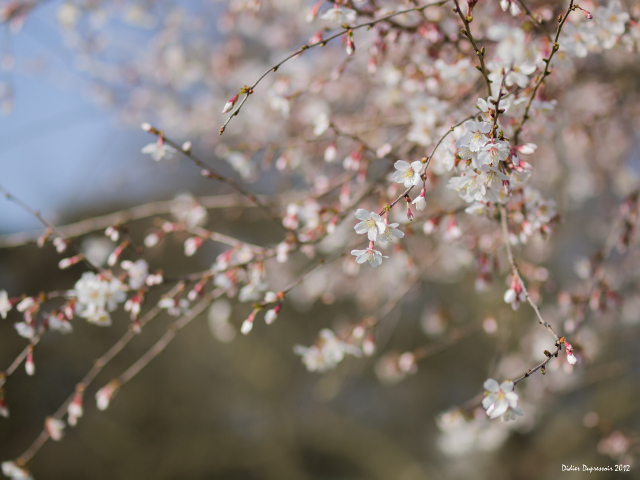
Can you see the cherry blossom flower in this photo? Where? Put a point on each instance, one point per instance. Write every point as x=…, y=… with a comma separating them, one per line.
x=137, y=271
x=612, y=18
x=577, y=40
x=500, y=398
x=229, y=105
x=186, y=209
x=159, y=150
x=328, y=351
x=571, y=358
x=75, y=410
x=493, y=152
x=13, y=471
x=105, y=395
x=511, y=6
x=55, y=428
x=390, y=231
x=374, y=257
x=371, y=224
x=420, y=202
x=24, y=330
x=5, y=304
x=96, y=296
x=475, y=136
x=407, y=174
x=339, y=15
x=321, y=124
x=479, y=185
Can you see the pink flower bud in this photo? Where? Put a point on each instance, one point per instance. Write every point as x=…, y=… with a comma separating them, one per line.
x=229, y=105
x=106, y=394
x=247, y=325
x=351, y=47
x=74, y=410
x=55, y=428
x=29, y=366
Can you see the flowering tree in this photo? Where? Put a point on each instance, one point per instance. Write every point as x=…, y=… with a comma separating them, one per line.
x=399, y=145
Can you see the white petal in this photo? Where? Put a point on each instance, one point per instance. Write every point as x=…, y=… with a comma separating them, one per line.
x=491, y=385
x=362, y=214
x=402, y=165
x=506, y=386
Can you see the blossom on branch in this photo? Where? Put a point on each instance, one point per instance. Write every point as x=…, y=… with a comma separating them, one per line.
x=371, y=224
x=407, y=173
x=500, y=400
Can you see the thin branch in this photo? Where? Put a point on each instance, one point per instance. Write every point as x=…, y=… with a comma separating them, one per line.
x=516, y=272
x=209, y=172
x=249, y=90
x=126, y=215
x=466, y=31
x=537, y=22
x=545, y=74
x=98, y=365
x=12, y=198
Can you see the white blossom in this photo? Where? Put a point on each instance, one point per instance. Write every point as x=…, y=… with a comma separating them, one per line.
x=371, y=224
x=339, y=15
x=500, y=398
x=492, y=153
x=5, y=304
x=186, y=209
x=24, y=330
x=475, y=136
x=420, y=202
x=390, y=231
x=612, y=18
x=374, y=257
x=96, y=296
x=320, y=124
x=159, y=150
x=407, y=174
x=328, y=351
x=55, y=428
x=13, y=471
x=137, y=271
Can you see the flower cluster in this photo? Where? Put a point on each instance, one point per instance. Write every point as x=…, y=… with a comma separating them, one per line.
x=96, y=295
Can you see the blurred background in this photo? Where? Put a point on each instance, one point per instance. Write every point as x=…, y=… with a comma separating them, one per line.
x=245, y=408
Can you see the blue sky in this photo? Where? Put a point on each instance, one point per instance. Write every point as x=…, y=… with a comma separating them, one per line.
x=59, y=151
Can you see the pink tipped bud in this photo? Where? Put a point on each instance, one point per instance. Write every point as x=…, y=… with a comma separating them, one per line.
x=67, y=262
x=527, y=148
x=409, y=211
x=272, y=314
x=186, y=147
x=106, y=394
x=247, y=325
x=29, y=366
x=330, y=153
x=54, y=427
x=74, y=410
x=571, y=358
x=351, y=47
x=313, y=13
x=368, y=345
x=146, y=127
x=60, y=244
x=316, y=38
x=42, y=239
x=191, y=245
x=113, y=233
x=229, y=105
x=430, y=226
